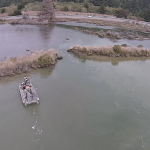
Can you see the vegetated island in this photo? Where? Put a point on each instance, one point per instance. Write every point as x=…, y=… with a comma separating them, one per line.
x=18, y=65
x=111, y=51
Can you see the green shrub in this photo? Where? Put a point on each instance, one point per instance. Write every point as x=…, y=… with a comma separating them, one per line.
x=54, y=6
x=84, y=10
x=77, y=7
x=20, y=6
x=102, y=9
x=117, y=48
x=65, y=8
x=124, y=45
x=16, y=13
x=84, y=49
x=140, y=46
x=3, y=10
x=25, y=2
x=44, y=60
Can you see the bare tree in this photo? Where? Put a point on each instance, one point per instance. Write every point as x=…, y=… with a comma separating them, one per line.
x=47, y=11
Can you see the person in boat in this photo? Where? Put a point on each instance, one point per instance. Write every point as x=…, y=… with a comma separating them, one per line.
x=28, y=88
x=26, y=84
x=26, y=81
x=23, y=85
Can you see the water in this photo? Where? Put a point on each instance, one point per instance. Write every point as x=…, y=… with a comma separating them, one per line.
x=84, y=104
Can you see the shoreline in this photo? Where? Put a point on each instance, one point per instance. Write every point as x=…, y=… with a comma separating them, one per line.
x=100, y=22
x=113, y=34
x=67, y=16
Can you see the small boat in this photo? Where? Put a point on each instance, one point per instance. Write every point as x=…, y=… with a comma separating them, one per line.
x=28, y=93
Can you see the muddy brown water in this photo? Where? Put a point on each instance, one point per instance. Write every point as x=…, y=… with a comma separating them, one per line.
x=84, y=103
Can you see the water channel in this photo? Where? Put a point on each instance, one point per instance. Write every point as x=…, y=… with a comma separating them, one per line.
x=84, y=104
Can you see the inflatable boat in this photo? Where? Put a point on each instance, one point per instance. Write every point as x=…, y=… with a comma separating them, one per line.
x=28, y=93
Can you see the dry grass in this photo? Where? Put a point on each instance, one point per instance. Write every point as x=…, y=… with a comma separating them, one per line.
x=108, y=51
x=15, y=65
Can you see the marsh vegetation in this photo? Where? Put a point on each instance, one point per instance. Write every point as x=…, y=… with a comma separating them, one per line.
x=111, y=51
x=17, y=65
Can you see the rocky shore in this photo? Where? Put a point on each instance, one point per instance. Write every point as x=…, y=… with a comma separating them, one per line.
x=18, y=65
x=116, y=35
x=110, y=51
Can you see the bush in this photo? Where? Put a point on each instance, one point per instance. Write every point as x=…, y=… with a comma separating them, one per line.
x=102, y=9
x=20, y=6
x=25, y=2
x=140, y=46
x=76, y=7
x=86, y=5
x=121, y=13
x=84, y=49
x=54, y=6
x=124, y=45
x=117, y=48
x=16, y=13
x=84, y=10
x=3, y=10
x=44, y=60
x=65, y=8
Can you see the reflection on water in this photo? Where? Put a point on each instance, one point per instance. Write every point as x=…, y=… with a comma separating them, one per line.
x=43, y=72
x=114, y=60
x=95, y=103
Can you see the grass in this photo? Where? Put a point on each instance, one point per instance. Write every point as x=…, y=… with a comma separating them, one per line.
x=16, y=65
x=140, y=46
x=110, y=52
x=84, y=49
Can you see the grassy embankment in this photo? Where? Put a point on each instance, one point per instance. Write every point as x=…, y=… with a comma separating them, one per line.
x=17, y=65
x=110, y=51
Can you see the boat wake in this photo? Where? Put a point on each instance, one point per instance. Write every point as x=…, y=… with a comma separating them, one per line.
x=36, y=135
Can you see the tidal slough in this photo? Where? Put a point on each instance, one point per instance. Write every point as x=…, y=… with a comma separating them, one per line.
x=84, y=103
